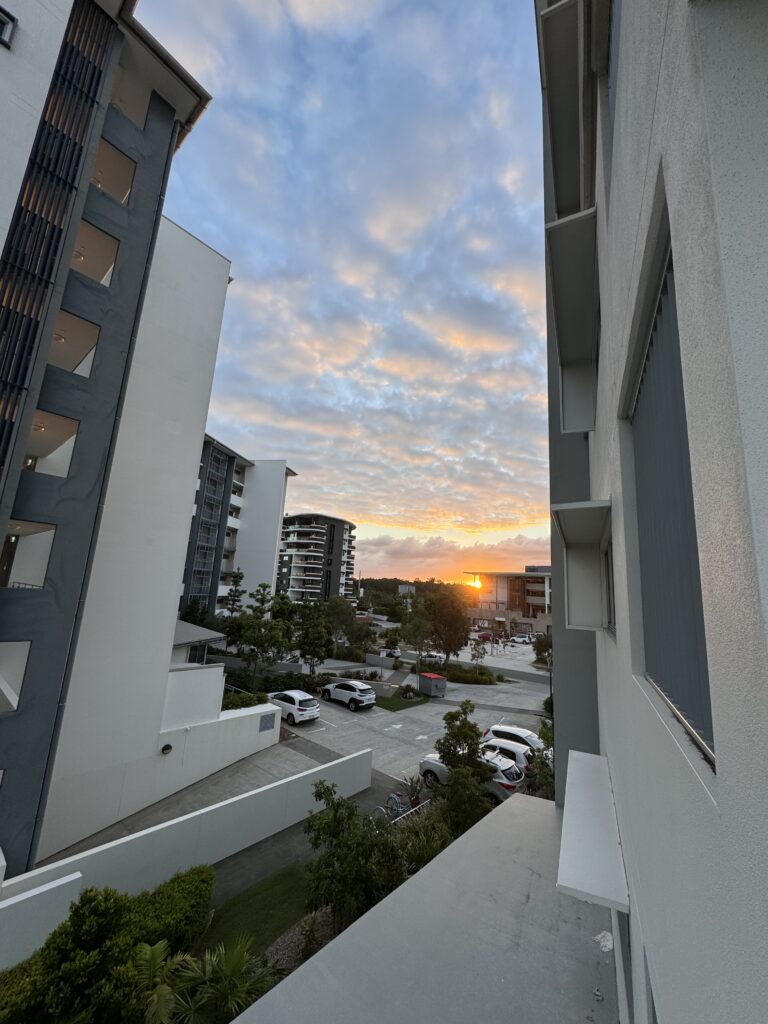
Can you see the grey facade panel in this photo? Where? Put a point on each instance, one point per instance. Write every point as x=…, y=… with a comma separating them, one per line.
x=673, y=616
x=49, y=617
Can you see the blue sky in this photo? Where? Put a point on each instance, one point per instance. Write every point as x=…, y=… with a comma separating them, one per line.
x=373, y=170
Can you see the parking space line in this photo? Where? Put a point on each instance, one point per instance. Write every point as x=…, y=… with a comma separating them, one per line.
x=327, y=723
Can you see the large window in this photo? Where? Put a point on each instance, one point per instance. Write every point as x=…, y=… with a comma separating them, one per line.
x=673, y=619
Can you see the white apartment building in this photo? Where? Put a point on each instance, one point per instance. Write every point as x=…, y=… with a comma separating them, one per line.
x=656, y=220
x=237, y=521
x=109, y=324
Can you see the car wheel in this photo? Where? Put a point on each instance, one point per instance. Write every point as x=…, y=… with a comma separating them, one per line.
x=353, y=705
x=290, y=719
x=430, y=779
x=326, y=695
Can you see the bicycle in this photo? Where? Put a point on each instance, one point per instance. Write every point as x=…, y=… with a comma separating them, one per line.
x=397, y=804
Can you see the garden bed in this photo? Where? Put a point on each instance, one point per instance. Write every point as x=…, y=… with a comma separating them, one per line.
x=398, y=703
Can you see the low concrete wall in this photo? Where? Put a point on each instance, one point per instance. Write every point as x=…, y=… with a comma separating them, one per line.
x=33, y=904
x=378, y=662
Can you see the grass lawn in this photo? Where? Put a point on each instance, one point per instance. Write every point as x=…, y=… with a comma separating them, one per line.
x=264, y=911
x=400, y=703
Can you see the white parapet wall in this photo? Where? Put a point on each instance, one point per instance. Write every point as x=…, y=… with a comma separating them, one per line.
x=33, y=904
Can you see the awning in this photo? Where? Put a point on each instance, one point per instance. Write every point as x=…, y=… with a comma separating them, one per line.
x=583, y=527
x=591, y=862
x=186, y=634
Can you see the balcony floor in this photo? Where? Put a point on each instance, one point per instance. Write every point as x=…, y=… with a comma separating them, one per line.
x=481, y=933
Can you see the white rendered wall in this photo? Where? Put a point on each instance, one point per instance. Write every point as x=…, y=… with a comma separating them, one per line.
x=107, y=760
x=33, y=904
x=193, y=695
x=261, y=521
x=694, y=843
x=25, y=75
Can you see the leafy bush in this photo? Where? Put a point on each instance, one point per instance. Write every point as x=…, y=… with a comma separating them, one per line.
x=233, y=701
x=542, y=645
x=83, y=971
x=547, y=705
x=499, y=677
x=478, y=675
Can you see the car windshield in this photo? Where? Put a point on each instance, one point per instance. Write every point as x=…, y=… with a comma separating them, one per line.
x=309, y=703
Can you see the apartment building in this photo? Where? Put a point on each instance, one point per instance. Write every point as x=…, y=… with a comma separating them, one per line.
x=507, y=598
x=236, y=524
x=656, y=221
x=317, y=557
x=109, y=324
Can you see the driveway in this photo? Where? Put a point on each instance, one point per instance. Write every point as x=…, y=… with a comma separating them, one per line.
x=400, y=739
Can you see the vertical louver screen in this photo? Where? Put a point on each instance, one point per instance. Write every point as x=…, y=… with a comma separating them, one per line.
x=673, y=619
x=32, y=250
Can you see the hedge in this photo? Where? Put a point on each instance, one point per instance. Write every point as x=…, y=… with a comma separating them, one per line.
x=233, y=700
x=83, y=970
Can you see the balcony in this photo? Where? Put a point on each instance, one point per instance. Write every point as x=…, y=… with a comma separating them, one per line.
x=233, y=523
x=25, y=554
x=50, y=444
x=489, y=937
x=74, y=344
x=236, y=500
x=113, y=172
x=95, y=253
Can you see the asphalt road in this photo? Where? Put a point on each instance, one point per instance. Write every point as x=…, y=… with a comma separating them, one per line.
x=400, y=739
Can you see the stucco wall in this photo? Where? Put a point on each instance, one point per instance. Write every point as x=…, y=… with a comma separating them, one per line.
x=117, y=691
x=147, y=858
x=693, y=85
x=193, y=695
x=261, y=521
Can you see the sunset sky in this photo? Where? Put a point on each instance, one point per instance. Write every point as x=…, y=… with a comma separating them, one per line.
x=373, y=170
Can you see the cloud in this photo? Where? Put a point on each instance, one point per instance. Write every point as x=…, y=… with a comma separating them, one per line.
x=425, y=557
x=372, y=168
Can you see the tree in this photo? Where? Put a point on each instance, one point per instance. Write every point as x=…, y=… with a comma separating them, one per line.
x=196, y=612
x=459, y=746
x=314, y=636
x=542, y=646
x=417, y=632
x=362, y=635
x=233, y=602
x=478, y=654
x=340, y=616
x=463, y=801
x=391, y=639
x=450, y=626
x=360, y=860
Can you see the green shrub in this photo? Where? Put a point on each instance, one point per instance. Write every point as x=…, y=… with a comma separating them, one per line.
x=177, y=910
x=547, y=705
x=233, y=700
x=499, y=677
x=84, y=971
x=479, y=676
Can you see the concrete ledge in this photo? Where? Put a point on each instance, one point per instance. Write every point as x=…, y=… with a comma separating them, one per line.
x=591, y=863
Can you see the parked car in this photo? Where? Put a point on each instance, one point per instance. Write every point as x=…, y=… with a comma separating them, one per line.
x=295, y=705
x=513, y=733
x=485, y=636
x=355, y=695
x=507, y=780
x=520, y=639
x=521, y=754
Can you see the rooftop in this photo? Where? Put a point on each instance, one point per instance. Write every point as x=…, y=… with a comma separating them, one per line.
x=481, y=933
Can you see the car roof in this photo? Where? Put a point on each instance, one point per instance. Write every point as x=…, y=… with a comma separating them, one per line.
x=293, y=693
x=515, y=728
x=498, y=761
x=519, y=748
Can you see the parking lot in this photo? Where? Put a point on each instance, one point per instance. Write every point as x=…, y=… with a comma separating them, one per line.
x=400, y=739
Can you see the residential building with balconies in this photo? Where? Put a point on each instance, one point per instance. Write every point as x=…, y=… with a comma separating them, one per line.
x=317, y=557
x=236, y=524
x=656, y=220
x=109, y=324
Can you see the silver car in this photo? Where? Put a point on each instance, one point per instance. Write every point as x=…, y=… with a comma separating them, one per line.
x=507, y=779
x=355, y=695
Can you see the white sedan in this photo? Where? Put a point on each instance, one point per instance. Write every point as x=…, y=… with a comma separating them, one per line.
x=295, y=705
x=355, y=695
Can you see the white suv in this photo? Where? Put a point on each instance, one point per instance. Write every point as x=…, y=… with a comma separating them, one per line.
x=295, y=705
x=355, y=695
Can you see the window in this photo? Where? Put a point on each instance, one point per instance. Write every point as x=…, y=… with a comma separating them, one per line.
x=673, y=617
x=266, y=723
x=610, y=605
x=7, y=26
x=279, y=696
